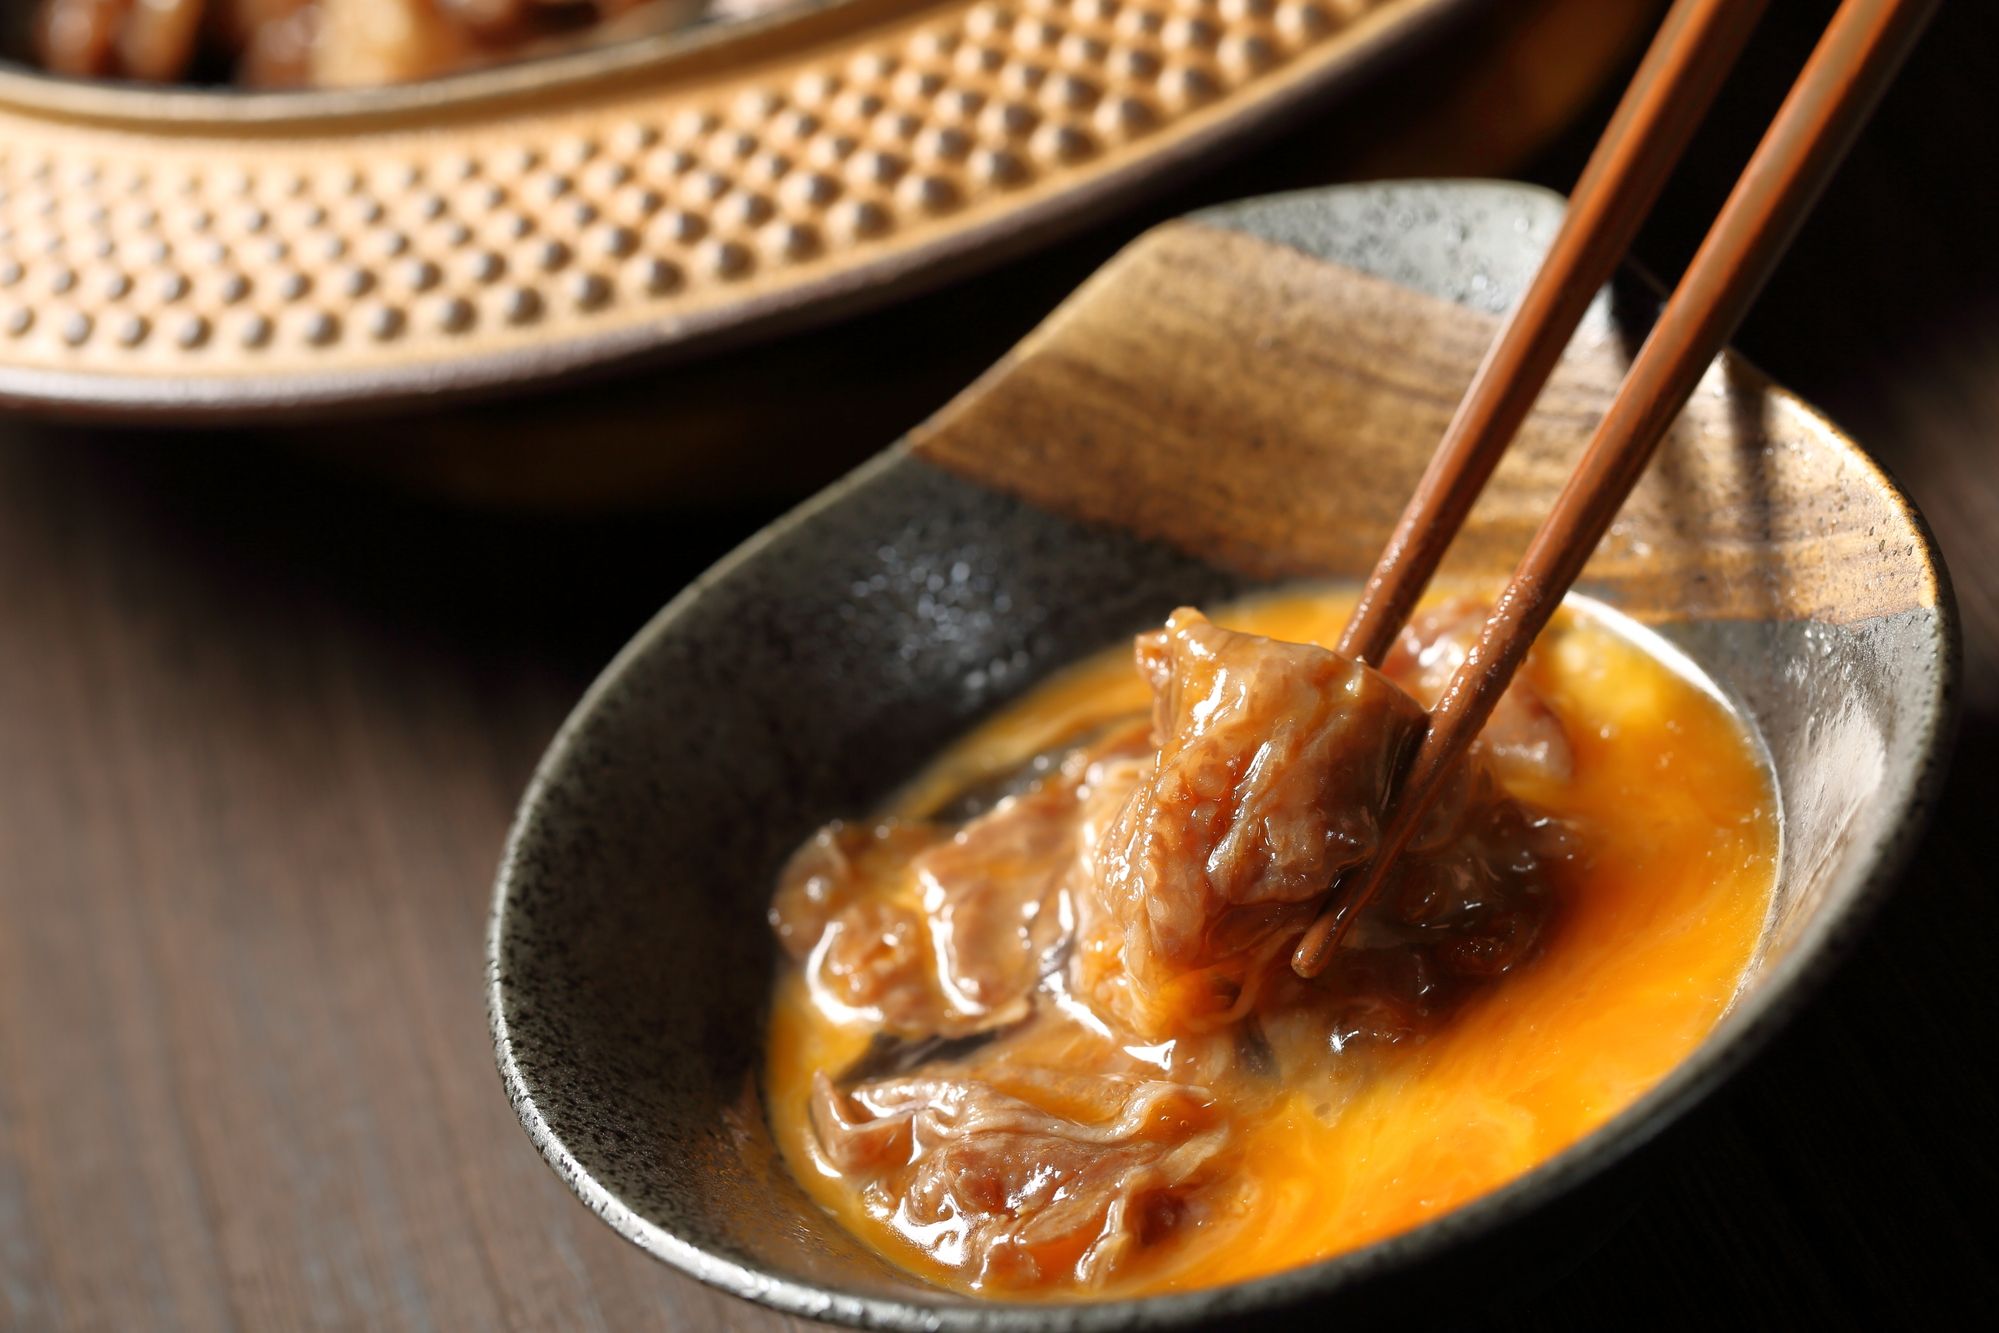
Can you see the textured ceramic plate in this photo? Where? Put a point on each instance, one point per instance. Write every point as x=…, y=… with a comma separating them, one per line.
x=1240, y=397
x=208, y=252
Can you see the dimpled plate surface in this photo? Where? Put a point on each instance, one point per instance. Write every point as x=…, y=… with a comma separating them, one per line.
x=230, y=253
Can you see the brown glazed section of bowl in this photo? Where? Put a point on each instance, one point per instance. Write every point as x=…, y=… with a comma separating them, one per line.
x=812, y=670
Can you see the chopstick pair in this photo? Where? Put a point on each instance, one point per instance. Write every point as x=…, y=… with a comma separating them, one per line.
x=1851, y=66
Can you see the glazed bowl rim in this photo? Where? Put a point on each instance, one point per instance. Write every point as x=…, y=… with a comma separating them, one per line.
x=1740, y=1034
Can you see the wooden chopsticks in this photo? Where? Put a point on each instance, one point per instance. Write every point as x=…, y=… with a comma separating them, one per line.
x=1671, y=92
x=1852, y=65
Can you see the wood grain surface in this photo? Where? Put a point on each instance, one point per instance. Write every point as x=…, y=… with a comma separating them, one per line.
x=263, y=723
x=1208, y=371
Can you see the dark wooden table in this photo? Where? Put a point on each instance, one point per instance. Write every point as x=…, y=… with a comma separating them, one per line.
x=264, y=720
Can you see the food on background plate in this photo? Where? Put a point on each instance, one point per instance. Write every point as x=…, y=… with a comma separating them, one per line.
x=341, y=43
x=1036, y=1033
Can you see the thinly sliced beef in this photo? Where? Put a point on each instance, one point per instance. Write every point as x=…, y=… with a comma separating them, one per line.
x=836, y=867
x=932, y=932
x=1131, y=908
x=1061, y=1177
x=1275, y=760
x=989, y=893
x=1478, y=885
x=1523, y=739
x=864, y=948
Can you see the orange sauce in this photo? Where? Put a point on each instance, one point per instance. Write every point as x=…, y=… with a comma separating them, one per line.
x=1677, y=816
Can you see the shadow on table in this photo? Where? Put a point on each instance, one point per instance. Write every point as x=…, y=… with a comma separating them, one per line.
x=267, y=540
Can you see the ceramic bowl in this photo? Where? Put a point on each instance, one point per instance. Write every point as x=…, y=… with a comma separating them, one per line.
x=1241, y=397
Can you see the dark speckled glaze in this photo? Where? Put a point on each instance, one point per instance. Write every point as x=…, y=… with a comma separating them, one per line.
x=817, y=666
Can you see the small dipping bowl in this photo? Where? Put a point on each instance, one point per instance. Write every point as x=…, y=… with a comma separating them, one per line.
x=1241, y=398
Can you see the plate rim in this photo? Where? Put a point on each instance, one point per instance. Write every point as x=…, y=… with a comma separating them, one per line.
x=193, y=389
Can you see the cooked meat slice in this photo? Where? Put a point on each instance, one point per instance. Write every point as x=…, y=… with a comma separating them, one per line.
x=934, y=933
x=80, y=37
x=989, y=895
x=157, y=41
x=276, y=38
x=865, y=947
x=1523, y=739
x=835, y=867
x=1057, y=1177
x=1275, y=760
x=362, y=43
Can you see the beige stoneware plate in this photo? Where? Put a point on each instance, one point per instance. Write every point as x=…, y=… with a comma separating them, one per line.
x=205, y=253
